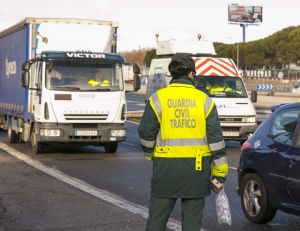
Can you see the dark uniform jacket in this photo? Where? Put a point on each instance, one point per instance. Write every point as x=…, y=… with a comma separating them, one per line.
x=177, y=177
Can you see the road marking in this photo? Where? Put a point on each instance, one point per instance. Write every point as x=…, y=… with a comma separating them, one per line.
x=99, y=193
x=129, y=144
x=132, y=122
x=233, y=168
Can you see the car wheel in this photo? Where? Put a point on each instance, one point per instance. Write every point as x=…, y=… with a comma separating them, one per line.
x=11, y=134
x=111, y=147
x=254, y=199
x=37, y=147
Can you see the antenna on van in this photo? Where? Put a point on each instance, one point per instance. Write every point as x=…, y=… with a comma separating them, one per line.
x=156, y=35
x=199, y=37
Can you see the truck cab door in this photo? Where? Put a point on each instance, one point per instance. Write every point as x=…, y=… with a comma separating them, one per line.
x=37, y=94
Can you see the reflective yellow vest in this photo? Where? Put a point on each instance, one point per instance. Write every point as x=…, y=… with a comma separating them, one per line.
x=94, y=83
x=105, y=83
x=181, y=110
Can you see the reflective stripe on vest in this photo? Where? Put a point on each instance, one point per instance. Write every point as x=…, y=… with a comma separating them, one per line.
x=181, y=111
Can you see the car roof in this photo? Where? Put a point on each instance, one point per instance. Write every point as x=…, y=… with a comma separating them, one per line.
x=284, y=106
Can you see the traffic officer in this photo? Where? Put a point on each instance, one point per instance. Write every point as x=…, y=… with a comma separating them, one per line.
x=220, y=86
x=180, y=132
x=99, y=80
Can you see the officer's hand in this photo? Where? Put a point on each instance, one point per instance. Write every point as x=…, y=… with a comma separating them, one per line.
x=222, y=186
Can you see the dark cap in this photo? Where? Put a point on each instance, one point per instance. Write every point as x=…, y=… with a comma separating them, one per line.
x=186, y=60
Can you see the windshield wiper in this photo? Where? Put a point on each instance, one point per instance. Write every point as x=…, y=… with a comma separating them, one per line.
x=99, y=89
x=65, y=88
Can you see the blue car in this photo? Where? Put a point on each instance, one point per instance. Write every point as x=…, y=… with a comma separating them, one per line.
x=269, y=167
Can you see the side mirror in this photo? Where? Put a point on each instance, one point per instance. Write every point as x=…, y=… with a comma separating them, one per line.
x=136, y=82
x=254, y=96
x=25, y=74
x=25, y=79
x=136, y=77
x=136, y=69
x=26, y=66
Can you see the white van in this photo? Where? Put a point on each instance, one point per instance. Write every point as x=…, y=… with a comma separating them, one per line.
x=236, y=111
x=296, y=88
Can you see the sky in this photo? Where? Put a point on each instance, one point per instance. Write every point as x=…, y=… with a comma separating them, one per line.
x=140, y=20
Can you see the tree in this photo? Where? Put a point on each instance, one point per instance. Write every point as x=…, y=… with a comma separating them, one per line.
x=150, y=54
x=137, y=57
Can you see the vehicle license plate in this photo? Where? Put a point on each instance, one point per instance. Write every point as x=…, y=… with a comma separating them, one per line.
x=230, y=133
x=85, y=133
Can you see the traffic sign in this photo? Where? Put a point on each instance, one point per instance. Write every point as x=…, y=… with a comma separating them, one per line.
x=264, y=86
x=280, y=75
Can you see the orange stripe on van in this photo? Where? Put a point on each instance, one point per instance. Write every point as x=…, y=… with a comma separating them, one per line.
x=226, y=68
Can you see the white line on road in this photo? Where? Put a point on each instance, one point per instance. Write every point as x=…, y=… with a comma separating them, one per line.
x=128, y=144
x=99, y=193
x=233, y=168
x=132, y=122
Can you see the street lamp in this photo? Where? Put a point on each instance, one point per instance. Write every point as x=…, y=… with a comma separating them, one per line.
x=237, y=55
x=156, y=35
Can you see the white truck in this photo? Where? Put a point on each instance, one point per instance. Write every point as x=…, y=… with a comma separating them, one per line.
x=236, y=111
x=53, y=100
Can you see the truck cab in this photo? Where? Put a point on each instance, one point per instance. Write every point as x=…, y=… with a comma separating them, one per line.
x=70, y=89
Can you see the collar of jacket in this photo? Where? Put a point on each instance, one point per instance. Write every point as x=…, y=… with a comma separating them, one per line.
x=184, y=80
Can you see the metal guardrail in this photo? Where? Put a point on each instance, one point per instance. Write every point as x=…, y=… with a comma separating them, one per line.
x=263, y=110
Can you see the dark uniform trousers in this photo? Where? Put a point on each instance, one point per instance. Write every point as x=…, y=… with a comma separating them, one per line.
x=160, y=209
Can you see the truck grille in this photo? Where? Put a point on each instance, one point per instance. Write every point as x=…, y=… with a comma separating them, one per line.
x=231, y=119
x=86, y=116
x=230, y=129
x=95, y=125
x=85, y=138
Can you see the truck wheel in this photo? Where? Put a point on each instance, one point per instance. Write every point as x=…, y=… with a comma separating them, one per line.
x=254, y=199
x=11, y=134
x=111, y=147
x=37, y=147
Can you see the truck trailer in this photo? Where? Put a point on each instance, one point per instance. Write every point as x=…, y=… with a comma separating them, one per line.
x=48, y=94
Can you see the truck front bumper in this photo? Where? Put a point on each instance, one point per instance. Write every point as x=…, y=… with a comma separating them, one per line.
x=238, y=131
x=92, y=134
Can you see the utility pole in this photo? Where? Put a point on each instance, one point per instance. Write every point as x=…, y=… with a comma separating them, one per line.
x=237, y=55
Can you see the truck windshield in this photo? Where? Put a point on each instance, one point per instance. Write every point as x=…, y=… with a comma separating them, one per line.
x=83, y=76
x=221, y=86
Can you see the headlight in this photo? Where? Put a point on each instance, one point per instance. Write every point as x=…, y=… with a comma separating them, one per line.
x=118, y=133
x=250, y=119
x=50, y=132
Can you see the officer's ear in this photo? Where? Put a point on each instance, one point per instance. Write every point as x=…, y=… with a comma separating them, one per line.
x=191, y=74
x=194, y=73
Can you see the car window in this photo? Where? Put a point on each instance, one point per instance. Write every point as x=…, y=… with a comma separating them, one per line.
x=284, y=126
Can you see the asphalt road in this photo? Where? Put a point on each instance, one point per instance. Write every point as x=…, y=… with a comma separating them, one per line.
x=83, y=188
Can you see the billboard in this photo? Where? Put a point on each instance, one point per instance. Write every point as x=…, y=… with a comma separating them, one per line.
x=244, y=14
